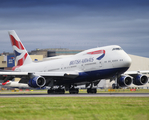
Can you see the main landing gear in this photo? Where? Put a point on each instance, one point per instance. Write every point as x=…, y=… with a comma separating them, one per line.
x=56, y=91
x=71, y=89
x=74, y=91
x=91, y=90
x=62, y=91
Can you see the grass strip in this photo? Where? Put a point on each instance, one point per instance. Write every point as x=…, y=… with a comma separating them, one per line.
x=74, y=108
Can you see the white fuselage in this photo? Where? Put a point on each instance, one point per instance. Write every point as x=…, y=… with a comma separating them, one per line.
x=114, y=57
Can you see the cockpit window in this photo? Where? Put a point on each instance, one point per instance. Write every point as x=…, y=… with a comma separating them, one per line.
x=117, y=49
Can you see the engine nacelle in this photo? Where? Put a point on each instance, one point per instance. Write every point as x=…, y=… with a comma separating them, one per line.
x=124, y=81
x=140, y=79
x=37, y=81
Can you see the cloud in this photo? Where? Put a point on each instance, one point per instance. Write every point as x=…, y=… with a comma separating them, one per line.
x=77, y=24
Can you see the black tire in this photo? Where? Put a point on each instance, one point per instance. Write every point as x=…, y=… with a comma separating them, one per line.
x=49, y=91
x=92, y=90
x=73, y=91
x=56, y=91
x=113, y=86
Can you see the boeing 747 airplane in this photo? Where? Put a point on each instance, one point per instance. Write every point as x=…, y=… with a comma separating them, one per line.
x=62, y=74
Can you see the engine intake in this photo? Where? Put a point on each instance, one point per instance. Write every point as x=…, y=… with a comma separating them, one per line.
x=140, y=79
x=125, y=81
x=37, y=81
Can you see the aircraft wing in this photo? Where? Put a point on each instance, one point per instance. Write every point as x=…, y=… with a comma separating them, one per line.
x=47, y=74
x=14, y=73
x=57, y=74
x=136, y=72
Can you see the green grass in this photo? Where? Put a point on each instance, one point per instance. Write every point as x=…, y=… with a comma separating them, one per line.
x=75, y=108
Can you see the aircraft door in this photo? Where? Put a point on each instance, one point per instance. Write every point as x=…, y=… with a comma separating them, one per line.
x=82, y=67
x=100, y=65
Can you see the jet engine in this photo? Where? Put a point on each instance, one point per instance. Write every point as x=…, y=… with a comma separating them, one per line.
x=140, y=79
x=124, y=81
x=37, y=81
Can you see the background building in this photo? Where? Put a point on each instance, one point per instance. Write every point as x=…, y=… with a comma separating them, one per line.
x=54, y=52
x=8, y=61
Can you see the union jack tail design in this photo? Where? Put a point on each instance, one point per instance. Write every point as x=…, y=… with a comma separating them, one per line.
x=21, y=55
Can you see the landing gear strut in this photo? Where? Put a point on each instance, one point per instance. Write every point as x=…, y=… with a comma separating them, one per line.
x=91, y=89
x=73, y=90
x=115, y=85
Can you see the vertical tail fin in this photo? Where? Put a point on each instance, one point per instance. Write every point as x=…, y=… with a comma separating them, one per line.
x=21, y=55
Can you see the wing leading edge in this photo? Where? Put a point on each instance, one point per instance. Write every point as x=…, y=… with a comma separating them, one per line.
x=47, y=74
x=136, y=72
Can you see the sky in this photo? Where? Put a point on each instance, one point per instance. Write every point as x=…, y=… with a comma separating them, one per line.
x=76, y=24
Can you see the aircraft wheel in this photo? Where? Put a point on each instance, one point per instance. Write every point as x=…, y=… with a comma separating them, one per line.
x=74, y=91
x=61, y=91
x=56, y=91
x=49, y=91
x=91, y=90
x=113, y=86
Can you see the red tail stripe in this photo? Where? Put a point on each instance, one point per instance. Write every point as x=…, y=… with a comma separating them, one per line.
x=13, y=69
x=21, y=61
x=16, y=43
x=5, y=82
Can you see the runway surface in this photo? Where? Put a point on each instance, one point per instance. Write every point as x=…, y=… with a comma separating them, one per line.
x=79, y=95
